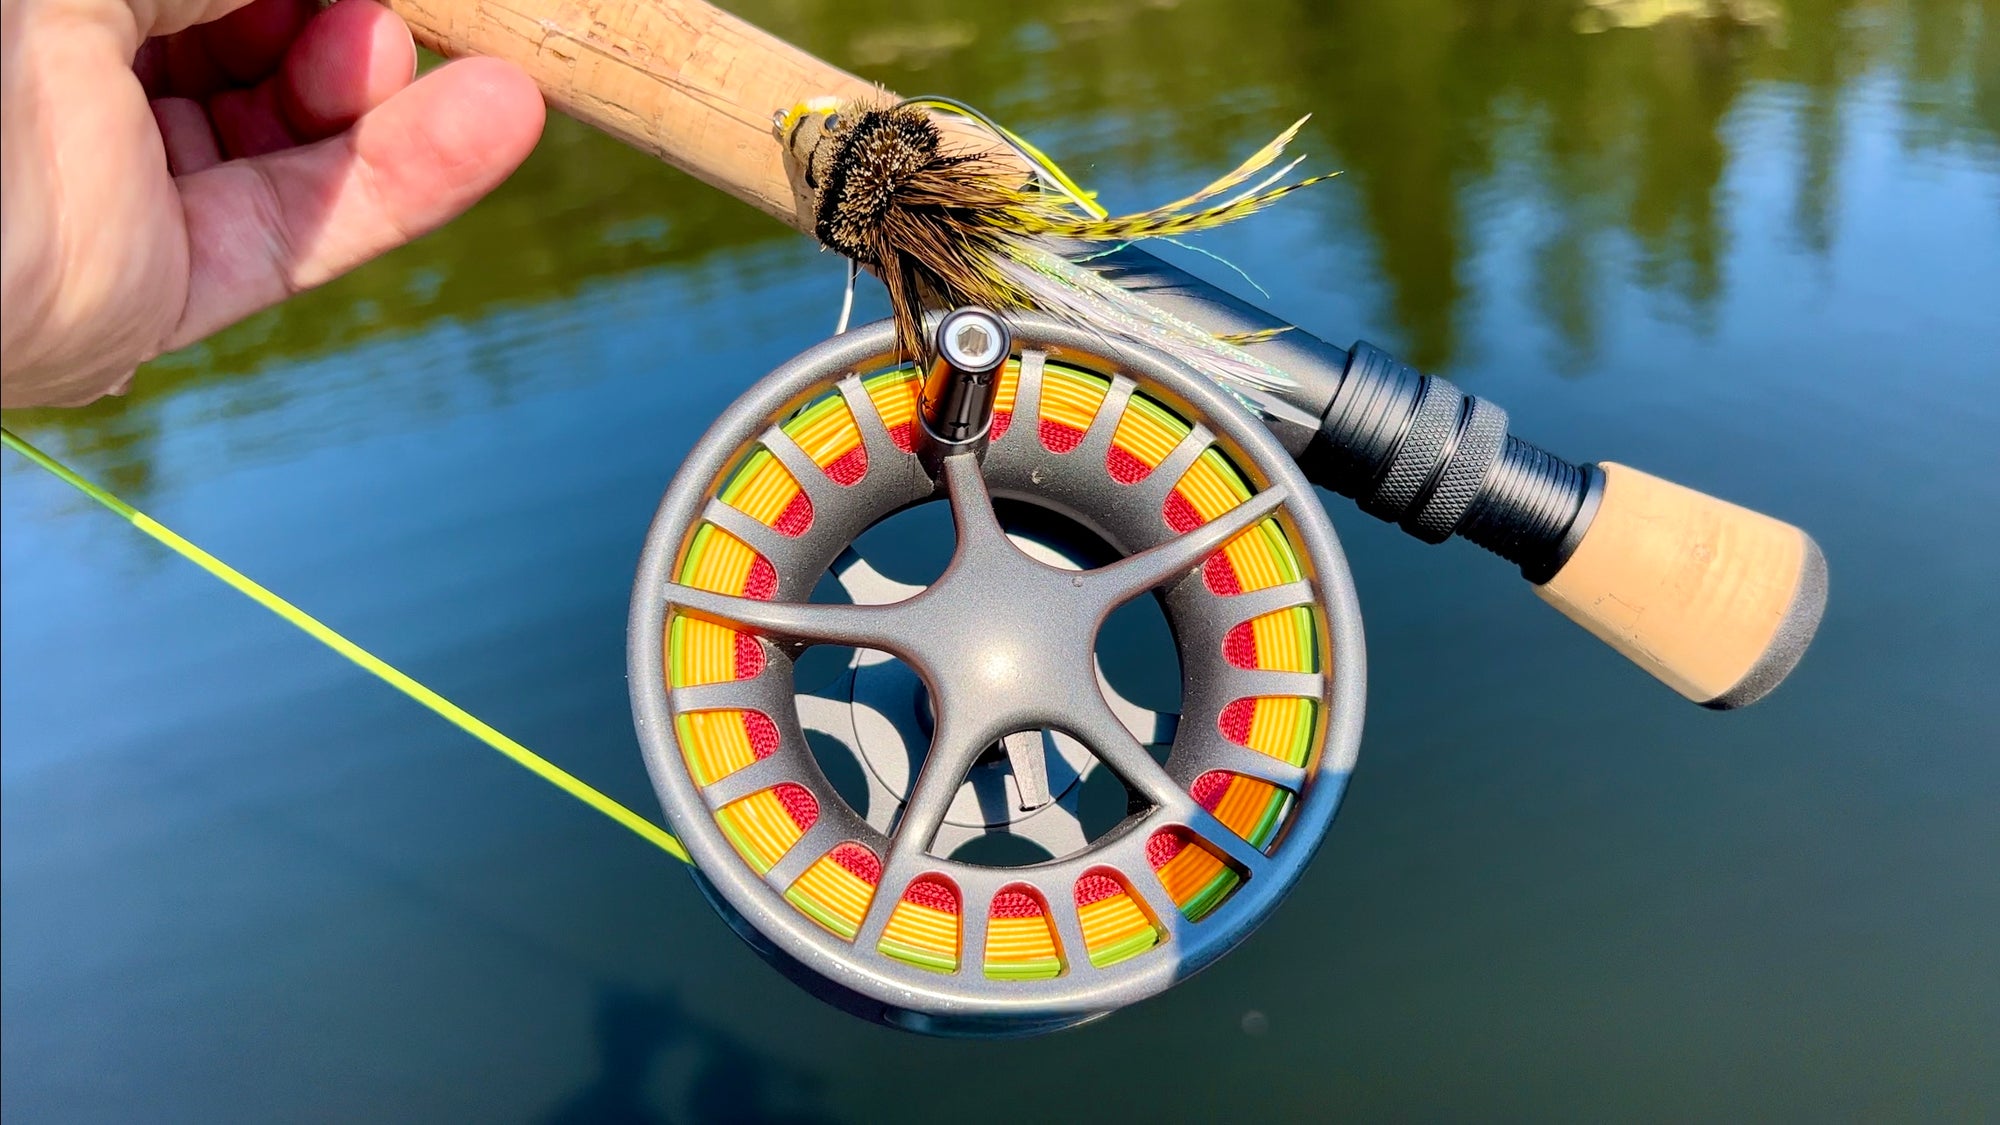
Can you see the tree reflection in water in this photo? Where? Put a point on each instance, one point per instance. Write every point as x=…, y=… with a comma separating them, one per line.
x=1606, y=125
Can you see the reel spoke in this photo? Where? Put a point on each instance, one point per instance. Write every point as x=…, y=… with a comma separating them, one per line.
x=1221, y=754
x=1099, y=729
x=817, y=841
x=951, y=754
x=819, y=488
x=1027, y=398
x=1241, y=683
x=755, y=533
x=1153, y=491
x=1224, y=839
x=753, y=778
x=713, y=696
x=1096, y=443
x=874, y=435
x=975, y=897
x=1069, y=928
x=1157, y=566
x=897, y=872
x=1165, y=912
x=971, y=505
x=1256, y=603
x=859, y=626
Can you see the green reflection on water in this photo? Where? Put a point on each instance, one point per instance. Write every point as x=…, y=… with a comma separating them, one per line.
x=1609, y=118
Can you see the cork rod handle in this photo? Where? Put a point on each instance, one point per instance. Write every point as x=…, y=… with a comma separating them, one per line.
x=1719, y=602
x=680, y=79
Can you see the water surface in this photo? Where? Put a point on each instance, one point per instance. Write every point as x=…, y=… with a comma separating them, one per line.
x=1754, y=250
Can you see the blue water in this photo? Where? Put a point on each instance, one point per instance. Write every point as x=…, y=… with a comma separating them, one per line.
x=243, y=881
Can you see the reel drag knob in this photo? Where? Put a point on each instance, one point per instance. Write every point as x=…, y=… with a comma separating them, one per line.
x=974, y=705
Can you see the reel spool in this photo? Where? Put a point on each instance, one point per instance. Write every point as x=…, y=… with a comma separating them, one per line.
x=996, y=714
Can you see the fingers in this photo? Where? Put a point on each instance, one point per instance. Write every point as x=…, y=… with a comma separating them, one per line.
x=185, y=70
x=347, y=61
x=190, y=143
x=239, y=48
x=337, y=66
x=149, y=65
x=262, y=229
x=249, y=122
x=247, y=44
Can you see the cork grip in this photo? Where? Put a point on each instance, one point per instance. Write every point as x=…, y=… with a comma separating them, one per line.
x=1718, y=602
x=680, y=79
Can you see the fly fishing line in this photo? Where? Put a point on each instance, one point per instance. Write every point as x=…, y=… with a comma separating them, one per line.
x=374, y=665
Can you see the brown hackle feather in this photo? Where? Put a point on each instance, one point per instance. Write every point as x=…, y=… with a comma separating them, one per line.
x=946, y=229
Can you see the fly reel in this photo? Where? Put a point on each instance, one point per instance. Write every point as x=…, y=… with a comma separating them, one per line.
x=974, y=705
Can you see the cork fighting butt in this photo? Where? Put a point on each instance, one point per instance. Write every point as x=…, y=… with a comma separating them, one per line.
x=1718, y=602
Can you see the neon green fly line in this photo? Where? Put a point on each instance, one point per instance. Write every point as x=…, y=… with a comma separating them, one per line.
x=369, y=662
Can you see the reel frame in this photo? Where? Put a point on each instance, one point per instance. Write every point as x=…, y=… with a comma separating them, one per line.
x=986, y=583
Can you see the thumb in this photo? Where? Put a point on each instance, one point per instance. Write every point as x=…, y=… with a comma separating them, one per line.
x=262, y=229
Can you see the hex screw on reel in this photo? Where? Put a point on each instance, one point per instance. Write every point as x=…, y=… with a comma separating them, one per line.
x=874, y=909
x=957, y=403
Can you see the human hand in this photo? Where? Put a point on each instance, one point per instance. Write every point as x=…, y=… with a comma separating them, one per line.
x=172, y=166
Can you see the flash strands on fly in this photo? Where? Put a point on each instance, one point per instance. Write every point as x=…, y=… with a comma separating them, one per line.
x=944, y=229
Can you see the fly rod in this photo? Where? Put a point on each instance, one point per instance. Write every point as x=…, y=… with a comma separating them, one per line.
x=1717, y=601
